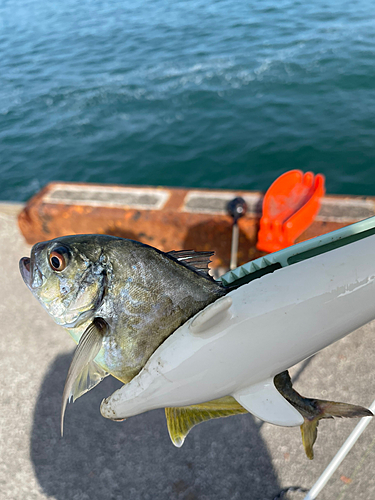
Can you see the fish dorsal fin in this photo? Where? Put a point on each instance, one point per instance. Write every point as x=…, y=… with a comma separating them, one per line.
x=197, y=260
x=181, y=420
x=264, y=401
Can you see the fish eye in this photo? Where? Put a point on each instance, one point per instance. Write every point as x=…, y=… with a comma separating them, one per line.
x=58, y=259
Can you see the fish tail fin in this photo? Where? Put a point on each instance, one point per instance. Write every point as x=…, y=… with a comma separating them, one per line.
x=327, y=409
x=330, y=409
x=309, y=432
x=181, y=420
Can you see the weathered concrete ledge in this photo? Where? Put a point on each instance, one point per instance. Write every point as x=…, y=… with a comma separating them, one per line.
x=169, y=218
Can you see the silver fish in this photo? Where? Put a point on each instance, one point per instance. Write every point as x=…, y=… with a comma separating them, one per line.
x=120, y=299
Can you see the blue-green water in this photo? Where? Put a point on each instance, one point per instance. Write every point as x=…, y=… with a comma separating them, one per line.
x=219, y=94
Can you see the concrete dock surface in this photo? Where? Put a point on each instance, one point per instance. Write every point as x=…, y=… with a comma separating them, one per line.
x=234, y=458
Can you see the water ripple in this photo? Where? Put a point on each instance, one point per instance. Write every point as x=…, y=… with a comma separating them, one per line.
x=201, y=93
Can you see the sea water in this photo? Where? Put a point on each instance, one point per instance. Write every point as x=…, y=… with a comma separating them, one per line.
x=212, y=94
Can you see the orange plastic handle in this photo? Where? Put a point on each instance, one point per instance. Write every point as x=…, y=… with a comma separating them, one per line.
x=289, y=207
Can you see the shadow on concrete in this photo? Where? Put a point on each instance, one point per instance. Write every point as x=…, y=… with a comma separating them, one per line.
x=100, y=459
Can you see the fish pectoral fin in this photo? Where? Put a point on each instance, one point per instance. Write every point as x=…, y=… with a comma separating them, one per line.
x=264, y=401
x=181, y=420
x=91, y=375
x=87, y=349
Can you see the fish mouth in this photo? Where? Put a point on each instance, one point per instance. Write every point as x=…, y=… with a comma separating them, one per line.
x=25, y=270
x=30, y=272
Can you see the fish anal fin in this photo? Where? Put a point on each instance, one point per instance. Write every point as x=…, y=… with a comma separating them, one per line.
x=181, y=420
